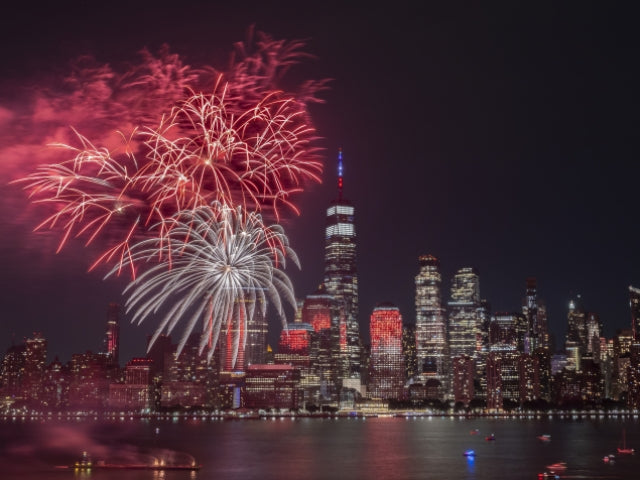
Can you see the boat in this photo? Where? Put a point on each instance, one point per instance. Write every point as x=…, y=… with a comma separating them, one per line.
x=475, y=431
x=490, y=438
x=557, y=467
x=547, y=475
x=610, y=459
x=544, y=438
x=85, y=463
x=469, y=453
x=623, y=449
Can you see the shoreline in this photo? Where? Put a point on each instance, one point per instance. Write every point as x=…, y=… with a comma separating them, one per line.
x=349, y=414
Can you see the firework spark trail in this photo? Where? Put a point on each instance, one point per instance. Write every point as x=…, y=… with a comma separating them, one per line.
x=218, y=266
x=211, y=151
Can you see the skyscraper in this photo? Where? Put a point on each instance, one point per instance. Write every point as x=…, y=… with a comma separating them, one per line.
x=634, y=303
x=535, y=311
x=340, y=272
x=321, y=311
x=387, y=362
x=465, y=314
x=432, y=352
x=247, y=339
x=112, y=335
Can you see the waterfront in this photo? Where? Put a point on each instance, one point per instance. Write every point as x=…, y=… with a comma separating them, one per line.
x=324, y=448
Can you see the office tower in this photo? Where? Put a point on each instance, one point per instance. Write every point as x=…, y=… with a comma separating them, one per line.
x=463, y=374
x=432, y=352
x=508, y=329
x=543, y=358
x=529, y=373
x=295, y=345
x=136, y=392
x=465, y=314
x=340, y=273
x=89, y=381
x=409, y=350
x=634, y=303
x=321, y=311
x=535, y=312
x=161, y=352
x=247, y=338
x=34, y=367
x=190, y=379
x=633, y=380
x=386, y=378
x=272, y=386
x=580, y=325
x=11, y=371
x=298, y=347
x=255, y=348
x=112, y=336
x=494, y=382
x=593, y=327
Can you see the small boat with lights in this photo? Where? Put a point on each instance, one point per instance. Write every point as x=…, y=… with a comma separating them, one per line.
x=469, y=453
x=85, y=463
x=623, y=449
x=544, y=438
x=490, y=438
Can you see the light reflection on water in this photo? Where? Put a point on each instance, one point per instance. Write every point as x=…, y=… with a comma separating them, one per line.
x=386, y=448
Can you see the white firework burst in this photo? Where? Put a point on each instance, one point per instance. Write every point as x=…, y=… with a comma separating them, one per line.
x=215, y=265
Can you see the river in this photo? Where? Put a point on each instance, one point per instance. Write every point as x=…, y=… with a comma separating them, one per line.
x=323, y=448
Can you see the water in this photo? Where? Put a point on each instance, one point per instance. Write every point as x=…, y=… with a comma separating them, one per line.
x=306, y=448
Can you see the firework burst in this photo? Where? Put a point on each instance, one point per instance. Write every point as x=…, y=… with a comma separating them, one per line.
x=218, y=266
x=241, y=144
x=180, y=199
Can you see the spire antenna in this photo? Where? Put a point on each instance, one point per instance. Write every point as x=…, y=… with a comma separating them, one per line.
x=340, y=182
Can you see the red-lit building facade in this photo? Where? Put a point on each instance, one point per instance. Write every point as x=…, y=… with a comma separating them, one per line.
x=387, y=376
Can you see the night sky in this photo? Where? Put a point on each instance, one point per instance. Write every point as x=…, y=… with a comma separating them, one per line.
x=496, y=137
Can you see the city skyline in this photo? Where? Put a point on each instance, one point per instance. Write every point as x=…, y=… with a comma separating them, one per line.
x=495, y=139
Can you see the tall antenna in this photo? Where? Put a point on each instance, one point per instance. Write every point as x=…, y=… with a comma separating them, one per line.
x=340, y=183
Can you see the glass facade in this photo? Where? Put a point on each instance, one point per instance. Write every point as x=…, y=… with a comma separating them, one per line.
x=432, y=352
x=387, y=360
x=465, y=314
x=340, y=274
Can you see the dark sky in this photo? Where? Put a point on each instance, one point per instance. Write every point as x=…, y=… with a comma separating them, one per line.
x=497, y=137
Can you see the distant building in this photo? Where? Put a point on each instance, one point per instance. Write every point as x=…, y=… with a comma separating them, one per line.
x=112, y=335
x=35, y=357
x=409, y=350
x=89, y=381
x=463, y=375
x=535, y=312
x=234, y=354
x=529, y=376
x=272, y=386
x=136, y=391
x=634, y=304
x=190, y=379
